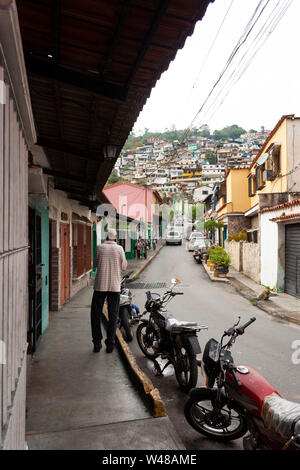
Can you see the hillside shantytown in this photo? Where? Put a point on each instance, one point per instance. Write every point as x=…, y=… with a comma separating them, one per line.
x=209, y=223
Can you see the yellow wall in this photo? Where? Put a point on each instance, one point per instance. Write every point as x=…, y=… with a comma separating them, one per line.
x=279, y=185
x=237, y=189
x=226, y=210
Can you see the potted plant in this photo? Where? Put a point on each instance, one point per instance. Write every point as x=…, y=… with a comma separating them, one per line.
x=221, y=260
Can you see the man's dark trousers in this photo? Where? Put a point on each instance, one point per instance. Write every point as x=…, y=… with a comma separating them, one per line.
x=113, y=305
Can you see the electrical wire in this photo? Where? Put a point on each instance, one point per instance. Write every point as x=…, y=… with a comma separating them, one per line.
x=271, y=23
x=260, y=38
x=241, y=41
x=247, y=30
x=243, y=63
x=208, y=52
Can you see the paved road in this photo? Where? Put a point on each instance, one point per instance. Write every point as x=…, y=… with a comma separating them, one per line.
x=266, y=344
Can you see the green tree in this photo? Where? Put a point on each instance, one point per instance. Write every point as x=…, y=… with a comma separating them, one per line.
x=204, y=131
x=229, y=132
x=210, y=226
x=211, y=158
x=114, y=178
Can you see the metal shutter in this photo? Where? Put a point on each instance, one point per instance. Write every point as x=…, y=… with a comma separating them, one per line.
x=292, y=259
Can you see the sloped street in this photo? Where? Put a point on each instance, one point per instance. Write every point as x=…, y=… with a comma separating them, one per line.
x=266, y=345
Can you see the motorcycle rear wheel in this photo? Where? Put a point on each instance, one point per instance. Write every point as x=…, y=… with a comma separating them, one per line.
x=186, y=368
x=125, y=324
x=146, y=335
x=199, y=413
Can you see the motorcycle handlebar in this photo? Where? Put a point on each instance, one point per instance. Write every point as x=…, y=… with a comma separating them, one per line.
x=174, y=293
x=241, y=329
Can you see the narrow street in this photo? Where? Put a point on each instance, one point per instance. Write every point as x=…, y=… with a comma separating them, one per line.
x=266, y=344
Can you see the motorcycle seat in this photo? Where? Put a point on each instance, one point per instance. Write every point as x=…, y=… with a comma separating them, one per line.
x=279, y=415
x=173, y=324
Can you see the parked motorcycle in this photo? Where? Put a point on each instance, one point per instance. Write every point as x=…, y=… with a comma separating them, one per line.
x=242, y=401
x=197, y=255
x=128, y=312
x=201, y=247
x=164, y=336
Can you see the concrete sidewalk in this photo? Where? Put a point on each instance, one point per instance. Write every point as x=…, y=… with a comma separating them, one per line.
x=279, y=304
x=138, y=265
x=78, y=399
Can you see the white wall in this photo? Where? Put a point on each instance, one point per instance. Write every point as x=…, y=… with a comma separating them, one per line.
x=273, y=247
x=269, y=250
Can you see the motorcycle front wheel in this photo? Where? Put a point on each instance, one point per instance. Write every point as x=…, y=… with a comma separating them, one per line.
x=186, y=368
x=223, y=425
x=146, y=336
x=126, y=325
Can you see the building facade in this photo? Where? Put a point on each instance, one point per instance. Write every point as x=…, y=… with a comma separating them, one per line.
x=17, y=134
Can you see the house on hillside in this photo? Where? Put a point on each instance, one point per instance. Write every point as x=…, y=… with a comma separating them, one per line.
x=201, y=193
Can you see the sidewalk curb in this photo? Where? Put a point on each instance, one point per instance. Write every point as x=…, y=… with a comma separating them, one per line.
x=267, y=306
x=132, y=278
x=212, y=277
x=145, y=386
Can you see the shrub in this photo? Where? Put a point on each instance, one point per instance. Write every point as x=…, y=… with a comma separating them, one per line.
x=219, y=257
x=238, y=237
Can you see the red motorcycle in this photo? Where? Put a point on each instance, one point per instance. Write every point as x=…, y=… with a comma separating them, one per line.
x=242, y=401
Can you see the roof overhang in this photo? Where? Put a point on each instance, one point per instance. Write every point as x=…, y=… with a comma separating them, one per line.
x=91, y=66
x=253, y=211
x=287, y=219
x=11, y=53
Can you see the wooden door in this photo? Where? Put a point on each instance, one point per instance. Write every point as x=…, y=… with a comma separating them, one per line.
x=65, y=262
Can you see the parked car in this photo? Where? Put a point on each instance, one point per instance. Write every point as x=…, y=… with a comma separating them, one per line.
x=192, y=238
x=201, y=246
x=173, y=237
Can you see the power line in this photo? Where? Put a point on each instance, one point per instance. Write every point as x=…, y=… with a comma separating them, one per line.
x=241, y=41
x=260, y=39
x=209, y=51
x=247, y=30
x=236, y=75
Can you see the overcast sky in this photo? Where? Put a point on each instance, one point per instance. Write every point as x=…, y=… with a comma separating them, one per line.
x=269, y=88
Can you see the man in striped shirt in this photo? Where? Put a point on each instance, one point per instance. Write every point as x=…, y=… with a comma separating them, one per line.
x=110, y=261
